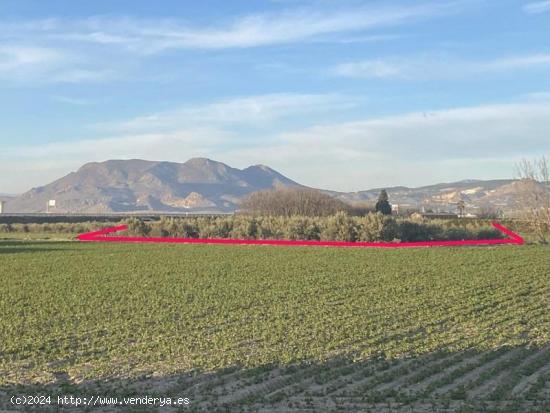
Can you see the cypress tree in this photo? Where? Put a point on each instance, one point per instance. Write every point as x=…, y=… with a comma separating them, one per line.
x=383, y=206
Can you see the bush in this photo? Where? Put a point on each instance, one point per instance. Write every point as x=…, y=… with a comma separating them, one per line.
x=271, y=228
x=302, y=228
x=138, y=227
x=415, y=231
x=377, y=227
x=489, y=233
x=339, y=227
x=6, y=228
x=456, y=234
x=244, y=228
x=373, y=227
x=168, y=227
x=188, y=229
x=215, y=228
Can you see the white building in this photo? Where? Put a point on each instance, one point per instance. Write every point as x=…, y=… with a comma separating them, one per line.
x=2, y=203
x=395, y=209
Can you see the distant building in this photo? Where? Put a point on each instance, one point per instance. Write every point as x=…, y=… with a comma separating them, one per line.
x=395, y=209
x=2, y=203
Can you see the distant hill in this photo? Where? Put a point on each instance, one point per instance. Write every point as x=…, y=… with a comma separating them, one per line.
x=204, y=185
x=199, y=184
x=499, y=194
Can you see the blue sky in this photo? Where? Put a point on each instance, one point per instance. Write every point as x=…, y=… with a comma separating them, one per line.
x=345, y=95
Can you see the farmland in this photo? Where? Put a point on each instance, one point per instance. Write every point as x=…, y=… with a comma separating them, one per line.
x=276, y=328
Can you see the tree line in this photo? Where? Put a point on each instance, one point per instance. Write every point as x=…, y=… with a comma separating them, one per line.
x=297, y=201
x=372, y=227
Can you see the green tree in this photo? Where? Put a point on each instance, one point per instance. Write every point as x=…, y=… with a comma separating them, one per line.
x=383, y=205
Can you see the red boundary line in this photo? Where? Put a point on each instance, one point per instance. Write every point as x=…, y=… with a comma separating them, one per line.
x=101, y=236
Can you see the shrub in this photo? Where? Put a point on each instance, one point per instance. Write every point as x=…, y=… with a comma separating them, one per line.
x=456, y=234
x=271, y=228
x=339, y=227
x=415, y=231
x=138, y=227
x=218, y=228
x=377, y=227
x=488, y=233
x=168, y=227
x=302, y=228
x=6, y=228
x=244, y=228
x=372, y=227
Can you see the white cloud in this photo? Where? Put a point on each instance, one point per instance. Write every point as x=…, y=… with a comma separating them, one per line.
x=104, y=48
x=514, y=62
x=126, y=146
x=369, y=69
x=292, y=26
x=16, y=58
x=80, y=75
x=437, y=66
x=370, y=39
x=444, y=134
x=408, y=149
x=28, y=64
x=537, y=7
x=250, y=110
x=71, y=100
x=154, y=35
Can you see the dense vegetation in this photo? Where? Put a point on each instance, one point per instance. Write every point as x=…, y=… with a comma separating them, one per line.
x=338, y=227
x=54, y=227
x=288, y=202
x=246, y=327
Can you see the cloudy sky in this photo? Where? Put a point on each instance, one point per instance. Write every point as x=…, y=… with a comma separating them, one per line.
x=345, y=95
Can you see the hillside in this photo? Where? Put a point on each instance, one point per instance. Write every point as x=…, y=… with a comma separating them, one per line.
x=204, y=185
x=136, y=185
x=499, y=194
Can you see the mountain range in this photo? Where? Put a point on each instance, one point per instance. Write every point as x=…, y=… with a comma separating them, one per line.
x=497, y=195
x=135, y=185
x=204, y=185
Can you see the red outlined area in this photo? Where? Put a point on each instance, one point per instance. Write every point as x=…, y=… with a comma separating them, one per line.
x=103, y=236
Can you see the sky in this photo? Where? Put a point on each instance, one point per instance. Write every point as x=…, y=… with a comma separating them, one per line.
x=344, y=95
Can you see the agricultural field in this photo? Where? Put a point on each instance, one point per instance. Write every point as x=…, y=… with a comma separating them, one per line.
x=256, y=328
